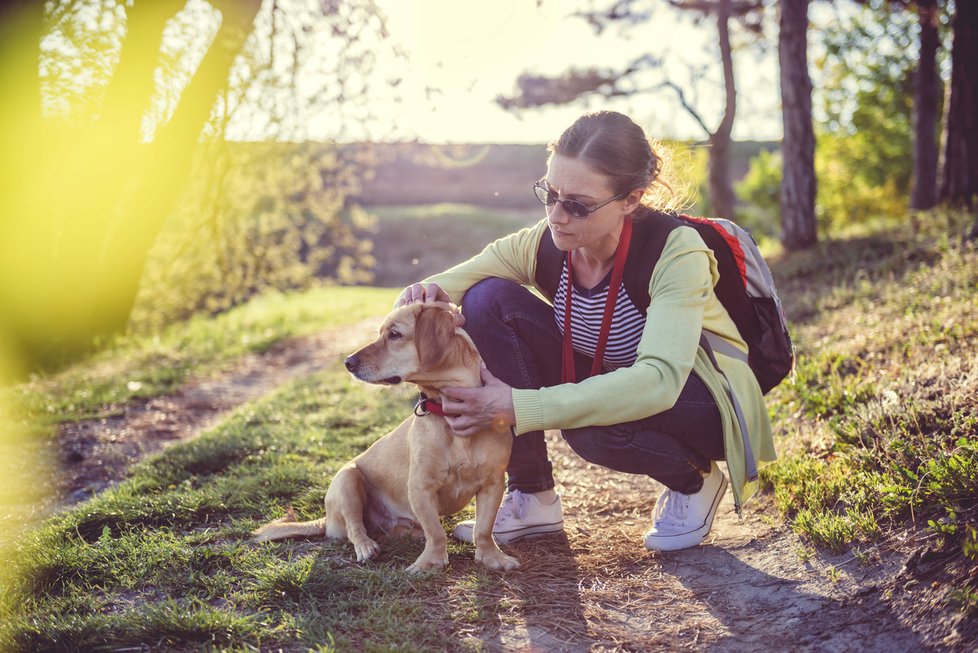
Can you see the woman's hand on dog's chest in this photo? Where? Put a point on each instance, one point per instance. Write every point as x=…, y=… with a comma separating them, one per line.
x=489, y=407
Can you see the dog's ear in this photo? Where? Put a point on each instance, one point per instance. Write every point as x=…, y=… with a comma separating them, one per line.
x=433, y=333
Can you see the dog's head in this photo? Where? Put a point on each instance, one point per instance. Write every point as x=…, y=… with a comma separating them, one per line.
x=419, y=343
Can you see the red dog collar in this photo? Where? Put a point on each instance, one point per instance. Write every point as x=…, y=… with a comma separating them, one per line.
x=426, y=406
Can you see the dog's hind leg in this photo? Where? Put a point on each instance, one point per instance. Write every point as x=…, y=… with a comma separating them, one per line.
x=346, y=501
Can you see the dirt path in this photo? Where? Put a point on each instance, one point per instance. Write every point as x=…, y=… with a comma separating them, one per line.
x=749, y=587
x=94, y=454
x=745, y=589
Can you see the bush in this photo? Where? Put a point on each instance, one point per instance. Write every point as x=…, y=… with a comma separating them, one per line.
x=761, y=190
x=256, y=217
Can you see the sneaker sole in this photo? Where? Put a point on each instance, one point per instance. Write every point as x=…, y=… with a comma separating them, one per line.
x=692, y=538
x=465, y=534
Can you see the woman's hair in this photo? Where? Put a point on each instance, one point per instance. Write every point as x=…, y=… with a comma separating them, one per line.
x=615, y=146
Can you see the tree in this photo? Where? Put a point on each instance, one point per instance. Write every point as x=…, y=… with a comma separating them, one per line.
x=926, y=96
x=536, y=90
x=93, y=194
x=722, y=195
x=959, y=175
x=798, y=147
x=91, y=173
x=923, y=194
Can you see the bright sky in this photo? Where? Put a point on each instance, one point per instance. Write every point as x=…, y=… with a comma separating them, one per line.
x=470, y=52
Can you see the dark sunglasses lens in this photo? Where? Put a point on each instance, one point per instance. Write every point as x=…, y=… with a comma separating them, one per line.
x=576, y=209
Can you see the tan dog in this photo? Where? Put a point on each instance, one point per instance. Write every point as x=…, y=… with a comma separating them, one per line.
x=420, y=470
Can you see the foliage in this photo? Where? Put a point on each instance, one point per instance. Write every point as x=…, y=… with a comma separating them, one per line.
x=257, y=216
x=761, y=190
x=101, y=138
x=846, y=195
x=864, y=152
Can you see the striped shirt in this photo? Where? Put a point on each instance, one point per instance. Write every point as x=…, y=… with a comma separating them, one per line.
x=587, y=311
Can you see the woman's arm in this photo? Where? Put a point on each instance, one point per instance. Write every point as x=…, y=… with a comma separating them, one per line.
x=512, y=257
x=680, y=289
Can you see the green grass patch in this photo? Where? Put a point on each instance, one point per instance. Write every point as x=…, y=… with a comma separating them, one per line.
x=163, y=560
x=886, y=327
x=143, y=366
x=413, y=242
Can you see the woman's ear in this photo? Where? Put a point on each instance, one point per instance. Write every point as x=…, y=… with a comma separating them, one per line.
x=633, y=200
x=433, y=333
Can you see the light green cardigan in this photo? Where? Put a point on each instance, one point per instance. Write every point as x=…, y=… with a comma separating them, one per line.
x=682, y=304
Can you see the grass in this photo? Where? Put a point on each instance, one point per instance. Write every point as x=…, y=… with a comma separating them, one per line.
x=416, y=241
x=877, y=431
x=141, y=367
x=164, y=558
x=880, y=420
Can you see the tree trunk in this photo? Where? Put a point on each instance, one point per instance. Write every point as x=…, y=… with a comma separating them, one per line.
x=82, y=205
x=798, y=148
x=21, y=28
x=718, y=176
x=166, y=164
x=923, y=195
x=721, y=189
x=959, y=179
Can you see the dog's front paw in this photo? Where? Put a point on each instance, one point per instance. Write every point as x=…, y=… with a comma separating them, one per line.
x=366, y=549
x=497, y=560
x=427, y=562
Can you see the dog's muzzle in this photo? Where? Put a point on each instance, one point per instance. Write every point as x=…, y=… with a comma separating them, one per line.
x=353, y=365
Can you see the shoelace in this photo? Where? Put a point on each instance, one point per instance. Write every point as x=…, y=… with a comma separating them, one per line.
x=514, y=505
x=673, y=509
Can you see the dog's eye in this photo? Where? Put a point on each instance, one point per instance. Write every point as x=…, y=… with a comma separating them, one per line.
x=393, y=335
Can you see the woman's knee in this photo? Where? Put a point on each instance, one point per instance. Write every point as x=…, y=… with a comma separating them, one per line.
x=597, y=446
x=491, y=300
x=487, y=294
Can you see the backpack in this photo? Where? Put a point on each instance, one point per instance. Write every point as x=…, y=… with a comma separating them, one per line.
x=746, y=287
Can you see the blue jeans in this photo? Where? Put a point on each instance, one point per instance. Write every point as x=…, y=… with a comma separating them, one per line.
x=518, y=338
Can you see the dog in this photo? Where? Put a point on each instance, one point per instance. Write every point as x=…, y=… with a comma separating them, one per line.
x=420, y=470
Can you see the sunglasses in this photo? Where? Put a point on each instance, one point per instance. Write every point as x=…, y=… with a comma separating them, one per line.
x=575, y=208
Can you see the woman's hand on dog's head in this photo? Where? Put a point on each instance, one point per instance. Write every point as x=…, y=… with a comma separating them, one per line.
x=422, y=292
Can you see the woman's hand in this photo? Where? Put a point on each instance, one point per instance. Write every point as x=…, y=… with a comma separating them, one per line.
x=421, y=292
x=479, y=409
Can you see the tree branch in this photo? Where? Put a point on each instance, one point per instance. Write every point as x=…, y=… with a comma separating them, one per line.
x=539, y=90
x=688, y=107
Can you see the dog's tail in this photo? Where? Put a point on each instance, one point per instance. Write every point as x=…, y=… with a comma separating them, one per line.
x=287, y=526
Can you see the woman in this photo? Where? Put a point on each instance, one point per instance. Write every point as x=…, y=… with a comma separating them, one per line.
x=653, y=403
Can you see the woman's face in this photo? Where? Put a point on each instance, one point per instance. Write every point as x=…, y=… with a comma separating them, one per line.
x=574, y=179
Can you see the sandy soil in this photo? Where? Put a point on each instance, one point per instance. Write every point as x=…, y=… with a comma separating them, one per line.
x=753, y=585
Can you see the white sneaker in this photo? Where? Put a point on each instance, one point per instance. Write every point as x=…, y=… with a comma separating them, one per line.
x=519, y=516
x=680, y=521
